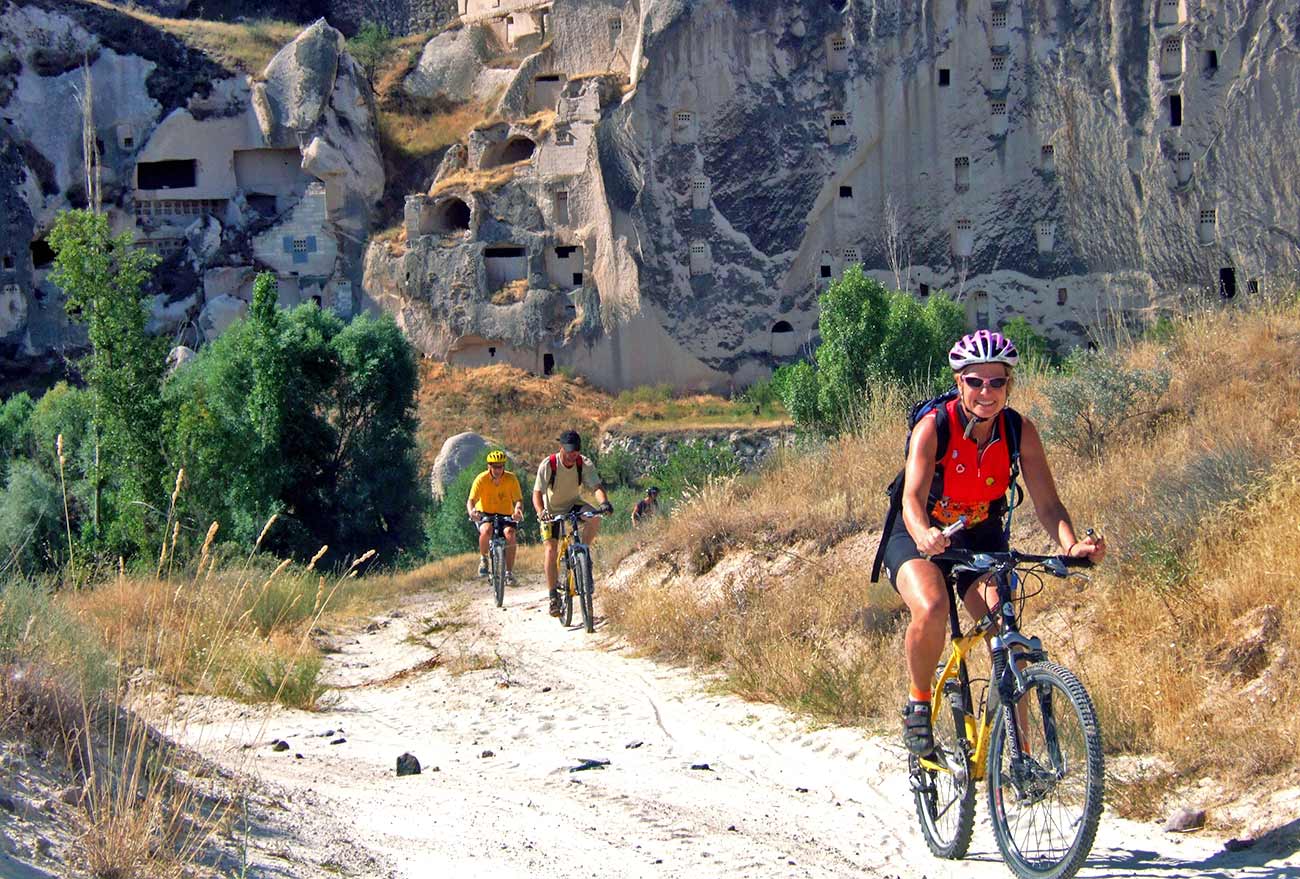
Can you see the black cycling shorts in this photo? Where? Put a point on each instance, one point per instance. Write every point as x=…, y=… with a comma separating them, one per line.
x=984, y=537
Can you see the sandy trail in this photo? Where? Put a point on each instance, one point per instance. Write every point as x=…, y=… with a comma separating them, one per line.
x=779, y=798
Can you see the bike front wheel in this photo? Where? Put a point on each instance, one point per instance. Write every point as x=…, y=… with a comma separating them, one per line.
x=498, y=567
x=567, y=592
x=1046, y=804
x=585, y=588
x=944, y=789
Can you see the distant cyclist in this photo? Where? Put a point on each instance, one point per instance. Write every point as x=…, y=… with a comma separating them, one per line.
x=496, y=491
x=558, y=490
x=969, y=478
x=647, y=507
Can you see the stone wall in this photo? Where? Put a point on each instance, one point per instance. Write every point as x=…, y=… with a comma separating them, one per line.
x=751, y=445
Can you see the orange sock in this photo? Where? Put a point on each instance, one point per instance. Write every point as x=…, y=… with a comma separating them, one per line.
x=919, y=695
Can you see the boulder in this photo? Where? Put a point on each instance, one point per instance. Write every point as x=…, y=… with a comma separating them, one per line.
x=178, y=357
x=457, y=453
x=297, y=83
x=1246, y=655
x=218, y=314
x=233, y=281
x=449, y=64
x=204, y=239
x=314, y=97
x=165, y=317
x=407, y=764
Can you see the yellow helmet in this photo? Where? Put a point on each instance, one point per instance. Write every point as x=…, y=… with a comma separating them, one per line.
x=496, y=456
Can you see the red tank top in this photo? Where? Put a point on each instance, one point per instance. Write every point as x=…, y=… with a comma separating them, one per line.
x=972, y=480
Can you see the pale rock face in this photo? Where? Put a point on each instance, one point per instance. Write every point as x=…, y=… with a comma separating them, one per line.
x=314, y=97
x=13, y=310
x=450, y=64
x=457, y=453
x=1072, y=165
x=219, y=313
x=167, y=317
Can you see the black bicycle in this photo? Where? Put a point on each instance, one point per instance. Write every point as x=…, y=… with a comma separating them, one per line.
x=575, y=558
x=497, y=552
x=1037, y=743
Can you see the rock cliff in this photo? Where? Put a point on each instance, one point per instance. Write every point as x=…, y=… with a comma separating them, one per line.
x=220, y=173
x=672, y=183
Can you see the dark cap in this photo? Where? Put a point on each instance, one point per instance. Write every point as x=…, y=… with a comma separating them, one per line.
x=654, y=489
x=570, y=441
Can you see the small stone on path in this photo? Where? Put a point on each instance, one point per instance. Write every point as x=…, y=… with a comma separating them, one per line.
x=407, y=764
x=280, y=745
x=589, y=764
x=632, y=745
x=1238, y=845
x=487, y=754
x=340, y=740
x=702, y=766
x=1185, y=819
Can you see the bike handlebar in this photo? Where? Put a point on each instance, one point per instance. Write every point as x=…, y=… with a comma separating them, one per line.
x=987, y=561
x=578, y=514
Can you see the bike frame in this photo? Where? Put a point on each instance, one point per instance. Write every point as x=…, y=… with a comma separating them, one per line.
x=570, y=539
x=1007, y=684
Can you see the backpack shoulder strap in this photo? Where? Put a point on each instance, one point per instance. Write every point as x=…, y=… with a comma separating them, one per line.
x=552, y=463
x=943, y=432
x=1014, y=424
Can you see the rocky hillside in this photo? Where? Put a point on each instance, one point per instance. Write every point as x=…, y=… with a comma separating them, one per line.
x=220, y=173
x=665, y=186
x=655, y=190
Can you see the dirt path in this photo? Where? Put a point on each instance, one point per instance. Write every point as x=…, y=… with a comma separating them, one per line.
x=778, y=798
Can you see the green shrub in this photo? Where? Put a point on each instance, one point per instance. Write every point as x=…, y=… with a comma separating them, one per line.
x=1097, y=398
x=294, y=683
x=691, y=465
x=869, y=337
x=32, y=531
x=35, y=628
x=618, y=467
x=1032, y=345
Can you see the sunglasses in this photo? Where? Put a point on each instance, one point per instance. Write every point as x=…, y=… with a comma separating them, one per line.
x=974, y=381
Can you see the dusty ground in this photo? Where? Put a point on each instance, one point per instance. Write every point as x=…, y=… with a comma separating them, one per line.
x=498, y=743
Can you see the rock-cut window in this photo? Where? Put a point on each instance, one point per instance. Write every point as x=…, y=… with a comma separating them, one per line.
x=300, y=245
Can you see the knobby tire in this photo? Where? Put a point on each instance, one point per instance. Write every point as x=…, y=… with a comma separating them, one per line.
x=945, y=800
x=1046, y=821
x=567, y=590
x=498, y=570
x=585, y=588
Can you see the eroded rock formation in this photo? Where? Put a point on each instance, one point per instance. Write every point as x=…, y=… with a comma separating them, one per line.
x=699, y=171
x=220, y=174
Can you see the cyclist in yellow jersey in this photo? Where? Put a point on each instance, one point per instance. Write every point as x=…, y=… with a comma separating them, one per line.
x=496, y=491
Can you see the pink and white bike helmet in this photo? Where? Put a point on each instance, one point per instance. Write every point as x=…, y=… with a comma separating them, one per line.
x=982, y=346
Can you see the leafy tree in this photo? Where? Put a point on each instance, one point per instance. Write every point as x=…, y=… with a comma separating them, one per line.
x=14, y=416
x=869, y=336
x=296, y=413
x=371, y=47
x=1032, y=345
x=103, y=278
x=31, y=520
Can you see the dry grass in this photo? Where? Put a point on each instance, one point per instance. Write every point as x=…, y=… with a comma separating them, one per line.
x=481, y=180
x=525, y=412
x=245, y=47
x=1198, y=508
x=512, y=293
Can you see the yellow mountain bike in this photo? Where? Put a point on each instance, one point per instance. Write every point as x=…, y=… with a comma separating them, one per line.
x=575, y=567
x=1037, y=743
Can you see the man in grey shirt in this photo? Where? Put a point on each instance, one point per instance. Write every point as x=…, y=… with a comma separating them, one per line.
x=558, y=490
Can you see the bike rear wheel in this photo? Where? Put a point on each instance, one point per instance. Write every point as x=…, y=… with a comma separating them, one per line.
x=1046, y=806
x=566, y=594
x=945, y=797
x=497, y=564
x=585, y=588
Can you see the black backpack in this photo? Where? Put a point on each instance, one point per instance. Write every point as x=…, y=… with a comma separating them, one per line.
x=939, y=406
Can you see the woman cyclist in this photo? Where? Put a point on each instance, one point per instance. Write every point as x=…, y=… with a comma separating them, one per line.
x=969, y=478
